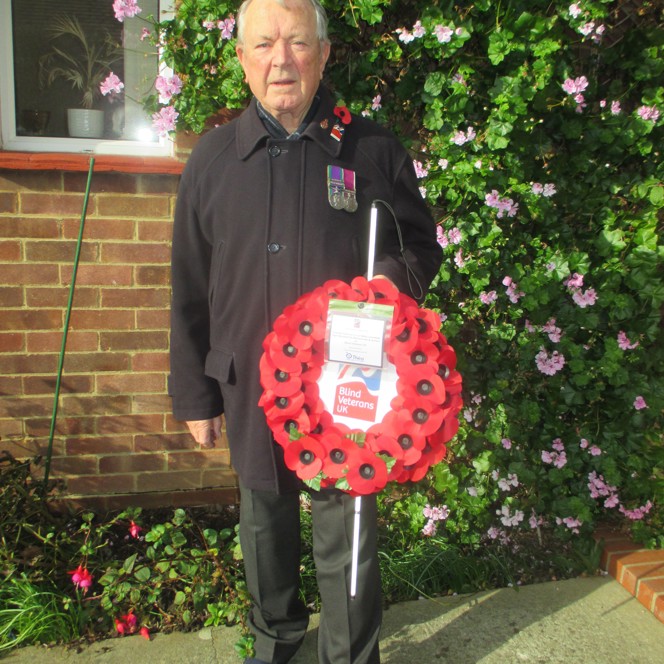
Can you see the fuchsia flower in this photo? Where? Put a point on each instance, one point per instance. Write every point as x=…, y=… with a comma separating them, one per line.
x=134, y=530
x=81, y=578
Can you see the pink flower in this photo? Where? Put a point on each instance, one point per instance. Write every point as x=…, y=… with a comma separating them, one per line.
x=420, y=170
x=640, y=403
x=164, y=120
x=583, y=443
x=227, y=26
x=419, y=30
x=624, y=343
x=509, y=519
x=436, y=513
x=587, y=28
x=134, y=530
x=488, y=298
x=443, y=33
x=167, y=86
x=145, y=33
x=549, y=189
x=111, y=83
x=573, y=86
x=459, y=138
x=125, y=9
x=459, y=260
x=615, y=107
x=638, y=513
x=595, y=451
x=574, y=282
x=586, y=298
x=492, y=199
x=648, y=113
x=506, y=443
x=455, y=235
x=209, y=25
x=441, y=237
x=529, y=326
x=574, y=10
x=81, y=578
x=375, y=103
x=537, y=188
x=405, y=35
x=443, y=163
x=549, y=365
x=554, y=332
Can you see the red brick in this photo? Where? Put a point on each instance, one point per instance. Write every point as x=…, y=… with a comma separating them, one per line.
x=155, y=231
x=181, y=480
x=132, y=463
x=11, y=296
x=28, y=364
x=215, y=458
x=155, y=320
x=25, y=407
x=649, y=591
x=147, y=361
x=101, y=319
x=99, y=275
x=94, y=362
x=42, y=342
x=12, y=428
x=10, y=251
x=129, y=424
x=134, y=340
x=158, y=184
x=151, y=275
x=90, y=485
x=60, y=251
x=8, y=202
x=24, y=274
x=131, y=383
x=33, y=385
x=152, y=403
x=133, y=206
x=153, y=443
x=99, y=445
x=12, y=342
x=613, y=551
x=27, y=227
x=135, y=253
x=100, y=229
x=27, y=449
x=136, y=298
x=75, y=465
x=54, y=203
x=101, y=183
x=58, y=296
x=629, y=575
x=219, y=477
x=11, y=385
x=28, y=180
x=31, y=319
x=95, y=405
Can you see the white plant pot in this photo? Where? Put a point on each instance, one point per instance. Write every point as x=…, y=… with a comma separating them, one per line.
x=85, y=123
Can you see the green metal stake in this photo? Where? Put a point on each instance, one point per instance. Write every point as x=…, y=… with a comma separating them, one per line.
x=56, y=399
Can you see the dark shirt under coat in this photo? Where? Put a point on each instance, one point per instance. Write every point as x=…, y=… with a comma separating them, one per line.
x=253, y=231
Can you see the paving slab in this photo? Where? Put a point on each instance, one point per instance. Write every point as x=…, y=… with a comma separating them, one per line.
x=578, y=621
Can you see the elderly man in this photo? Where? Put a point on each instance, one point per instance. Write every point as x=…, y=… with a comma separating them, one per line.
x=271, y=206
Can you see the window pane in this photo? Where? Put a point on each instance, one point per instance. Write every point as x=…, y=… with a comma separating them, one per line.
x=62, y=52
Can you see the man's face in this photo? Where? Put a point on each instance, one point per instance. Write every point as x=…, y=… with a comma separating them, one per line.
x=282, y=57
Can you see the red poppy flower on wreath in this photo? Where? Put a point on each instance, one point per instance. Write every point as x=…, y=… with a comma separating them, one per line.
x=407, y=439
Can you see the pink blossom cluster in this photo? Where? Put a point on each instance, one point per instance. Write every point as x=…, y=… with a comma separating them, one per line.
x=582, y=298
x=615, y=106
x=592, y=449
x=459, y=259
x=442, y=33
x=512, y=290
x=575, y=86
x=535, y=521
x=547, y=190
x=226, y=26
x=376, y=104
x=575, y=10
x=453, y=236
x=421, y=171
x=557, y=456
x=81, y=578
x=163, y=121
x=506, y=483
x=571, y=522
x=125, y=9
x=461, y=137
x=600, y=489
x=488, y=298
x=592, y=30
x=503, y=205
x=554, y=332
x=469, y=413
x=640, y=403
x=624, y=343
x=506, y=443
x=648, y=113
x=638, y=513
x=508, y=518
x=127, y=625
x=549, y=364
x=167, y=87
x=433, y=514
x=111, y=85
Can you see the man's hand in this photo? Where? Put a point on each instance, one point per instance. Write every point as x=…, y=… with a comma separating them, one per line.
x=205, y=432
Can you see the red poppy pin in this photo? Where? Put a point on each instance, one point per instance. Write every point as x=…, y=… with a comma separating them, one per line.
x=343, y=114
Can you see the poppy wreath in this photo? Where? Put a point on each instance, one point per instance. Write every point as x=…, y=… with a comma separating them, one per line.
x=411, y=437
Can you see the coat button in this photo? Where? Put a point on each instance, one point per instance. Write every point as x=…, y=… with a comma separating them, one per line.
x=274, y=151
x=273, y=247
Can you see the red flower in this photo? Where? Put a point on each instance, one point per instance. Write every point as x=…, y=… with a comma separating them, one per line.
x=368, y=474
x=144, y=632
x=279, y=382
x=283, y=428
x=284, y=355
x=343, y=114
x=81, y=578
x=388, y=446
x=340, y=454
x=305, y=456
x=134, y=530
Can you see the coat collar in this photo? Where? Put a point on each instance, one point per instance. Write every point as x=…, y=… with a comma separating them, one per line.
x=251, y=132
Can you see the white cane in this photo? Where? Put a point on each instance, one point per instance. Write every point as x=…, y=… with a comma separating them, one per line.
x=358, y=500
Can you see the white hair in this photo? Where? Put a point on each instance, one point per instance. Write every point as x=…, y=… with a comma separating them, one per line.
x=321, y=19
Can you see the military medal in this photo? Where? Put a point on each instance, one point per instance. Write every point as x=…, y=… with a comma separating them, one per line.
x=341, y=188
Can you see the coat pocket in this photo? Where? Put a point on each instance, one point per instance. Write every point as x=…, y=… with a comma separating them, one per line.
x=219, y=365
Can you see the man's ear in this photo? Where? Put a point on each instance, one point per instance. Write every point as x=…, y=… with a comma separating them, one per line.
x=325, y=54
x=239, y=51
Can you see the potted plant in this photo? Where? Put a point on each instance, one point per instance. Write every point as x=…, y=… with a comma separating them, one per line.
x=83, y=61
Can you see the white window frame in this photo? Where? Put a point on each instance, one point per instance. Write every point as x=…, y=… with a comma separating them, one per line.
x=9, y=140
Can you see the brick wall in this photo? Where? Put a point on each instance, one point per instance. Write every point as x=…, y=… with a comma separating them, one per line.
x=115, y=442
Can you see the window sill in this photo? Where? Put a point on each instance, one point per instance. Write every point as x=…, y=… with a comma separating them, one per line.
x=62, y=161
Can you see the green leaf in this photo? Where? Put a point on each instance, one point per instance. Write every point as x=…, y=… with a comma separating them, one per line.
x=142, y=574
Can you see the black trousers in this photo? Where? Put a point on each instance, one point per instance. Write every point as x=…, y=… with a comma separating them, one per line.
x=270, y=539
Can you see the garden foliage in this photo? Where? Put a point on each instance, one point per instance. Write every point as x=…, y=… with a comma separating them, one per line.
x=536, y=131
